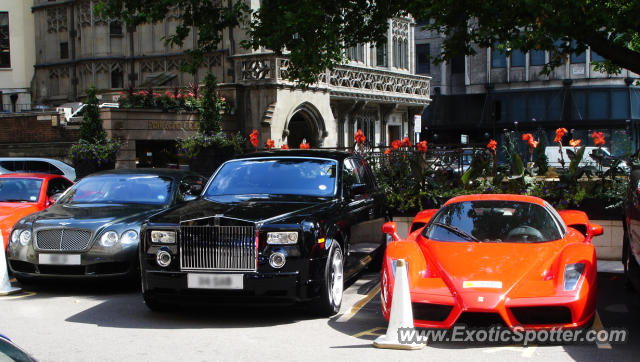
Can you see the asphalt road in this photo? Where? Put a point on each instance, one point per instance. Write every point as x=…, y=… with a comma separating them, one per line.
x=109, y=322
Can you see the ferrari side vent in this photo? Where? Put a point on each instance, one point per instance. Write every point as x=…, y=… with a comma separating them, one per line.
x=542, y=315
x=430, y=312
x=481, y=319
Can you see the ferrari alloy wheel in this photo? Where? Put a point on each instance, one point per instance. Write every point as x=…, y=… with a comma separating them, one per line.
x=332, y=288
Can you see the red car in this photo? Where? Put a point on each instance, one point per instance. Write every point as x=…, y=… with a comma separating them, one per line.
x=496, y=259
x=22, y=194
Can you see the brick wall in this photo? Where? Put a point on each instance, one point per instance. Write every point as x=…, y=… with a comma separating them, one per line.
x=33, y=128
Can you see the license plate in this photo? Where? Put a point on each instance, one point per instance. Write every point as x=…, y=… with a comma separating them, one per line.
x=215, y=281
x=59, y=259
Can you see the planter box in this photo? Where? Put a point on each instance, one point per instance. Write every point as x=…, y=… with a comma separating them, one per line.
x=87, y=167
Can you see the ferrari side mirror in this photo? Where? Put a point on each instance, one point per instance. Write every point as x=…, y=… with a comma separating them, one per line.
x=390, y=228
x=595, y=230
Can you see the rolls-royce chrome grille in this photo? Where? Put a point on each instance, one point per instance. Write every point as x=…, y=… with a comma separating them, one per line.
x=63, y=239
x=218, y=248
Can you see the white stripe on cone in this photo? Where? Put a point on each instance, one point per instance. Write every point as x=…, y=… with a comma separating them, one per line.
x=5, y=285
x=401, y=315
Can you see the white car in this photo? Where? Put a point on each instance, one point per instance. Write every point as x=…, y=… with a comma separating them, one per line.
x=36, y=165
x=553, y=157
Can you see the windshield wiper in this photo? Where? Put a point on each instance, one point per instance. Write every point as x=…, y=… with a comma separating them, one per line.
x=457, y=231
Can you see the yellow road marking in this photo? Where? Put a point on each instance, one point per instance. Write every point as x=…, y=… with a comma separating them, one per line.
x=598, y=326
x=26, y=294
x=361, y=303
x=370, y=332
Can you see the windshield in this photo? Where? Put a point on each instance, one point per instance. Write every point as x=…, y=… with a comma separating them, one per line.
x=120, y=189
x=493, y=221
x=308, y=177
x=19, y=189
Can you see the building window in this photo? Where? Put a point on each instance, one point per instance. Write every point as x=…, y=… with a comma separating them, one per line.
x=356, y=53
x=595, y=57
x=457, y=64
x=537, y=57
x=517, y=58
x=381, y=55
x=64, y=50
x=423, y=63
x=5, y=54
x=498, y=59
x=396, y=52
x=577, y=58
x=116, y=79
x=405, y=53
x=115, y=28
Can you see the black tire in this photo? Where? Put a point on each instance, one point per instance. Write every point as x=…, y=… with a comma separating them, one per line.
x=154, y=304
x=330, y=299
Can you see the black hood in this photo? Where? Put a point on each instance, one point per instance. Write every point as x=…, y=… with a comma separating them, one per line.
x=254, y=208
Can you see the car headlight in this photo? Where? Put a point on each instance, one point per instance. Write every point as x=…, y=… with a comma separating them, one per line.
x=25, y=237
x=163, y=236
x=282, y=237
x=15, y=236
x=108, y=239
x=129, y=237
x=572, y=273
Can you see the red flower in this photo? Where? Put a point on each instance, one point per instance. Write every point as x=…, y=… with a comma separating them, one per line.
x=387, y=151
x=559, y=134
x=253, y=138
x=527, y=137
x=396, y=144
x=533, y=143
x=422, y=146
x=359, y=137
x=598, y=138
x=574, y=143
x=270, y=144
x=304, y=146
x=530, y=140
x=492, y=145
x=284, y=147
x=406, y=142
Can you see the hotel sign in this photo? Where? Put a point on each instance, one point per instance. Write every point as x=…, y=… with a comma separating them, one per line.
x=173, y=125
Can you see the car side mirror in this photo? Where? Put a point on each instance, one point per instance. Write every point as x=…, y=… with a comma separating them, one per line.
x=595, y=229
x=390, y=228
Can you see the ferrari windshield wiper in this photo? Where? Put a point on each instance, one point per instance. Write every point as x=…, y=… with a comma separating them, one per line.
x=457, y=231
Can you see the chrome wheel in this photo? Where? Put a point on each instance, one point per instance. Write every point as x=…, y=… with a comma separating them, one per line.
x=336, y=283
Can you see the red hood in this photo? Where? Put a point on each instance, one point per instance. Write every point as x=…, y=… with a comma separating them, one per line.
x=11, y=212
x=504, y=265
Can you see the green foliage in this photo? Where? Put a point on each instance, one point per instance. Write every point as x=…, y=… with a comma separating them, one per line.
x=513, y=157
x=315, y=33
x=191, y=146
x=541, y=159
x=99, y=152
x=91, y=129
x=210, y=107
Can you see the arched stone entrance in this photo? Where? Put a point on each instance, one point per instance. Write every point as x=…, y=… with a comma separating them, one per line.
x=305, y=123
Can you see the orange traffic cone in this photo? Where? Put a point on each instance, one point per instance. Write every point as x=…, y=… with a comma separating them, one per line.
x=401, y=315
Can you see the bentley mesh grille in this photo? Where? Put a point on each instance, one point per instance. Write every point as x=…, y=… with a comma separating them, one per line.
x=218, y=248
x=63, y=239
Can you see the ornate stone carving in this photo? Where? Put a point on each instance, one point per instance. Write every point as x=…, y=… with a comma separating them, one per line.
x=84, y=13
x=256, y=69
x=57, y=19
x=400, y=28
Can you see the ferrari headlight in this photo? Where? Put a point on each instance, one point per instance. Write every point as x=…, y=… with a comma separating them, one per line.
x=109, y=239
x=25, y=237
x=163, y=237
x=572, y=273
x=282, y=237
x=129, y=237
x=15, y=236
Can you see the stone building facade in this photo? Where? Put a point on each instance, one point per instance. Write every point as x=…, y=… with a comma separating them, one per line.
x=377, y=90
x=483, y=95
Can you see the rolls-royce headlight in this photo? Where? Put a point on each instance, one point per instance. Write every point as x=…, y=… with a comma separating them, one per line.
x=15, y=236
x=129, y=237
x=282, y=237
x=25, y=237
x=163, y=236
x=572, y=273
x=109, y=239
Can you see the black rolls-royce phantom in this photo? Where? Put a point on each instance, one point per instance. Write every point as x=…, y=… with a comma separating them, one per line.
x=280, y=225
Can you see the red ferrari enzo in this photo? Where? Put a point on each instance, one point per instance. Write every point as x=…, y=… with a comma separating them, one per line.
x=496, y=259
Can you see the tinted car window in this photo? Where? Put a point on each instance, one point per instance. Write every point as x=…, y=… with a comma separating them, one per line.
x=121, y=189
x=493, y=221
x=309, y=177
x=187, y=184
x=364, y=173
x=19, y=189
x=57, y=185
x=349, y=176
